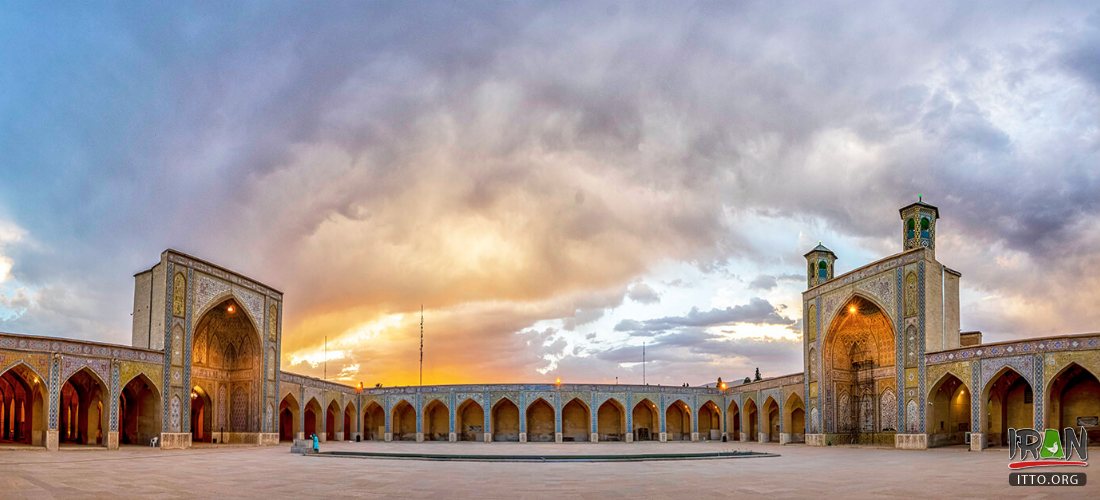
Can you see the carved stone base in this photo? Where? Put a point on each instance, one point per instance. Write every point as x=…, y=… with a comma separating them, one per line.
x=663, y=437
x=339, y=435
x=977, y=441
x=488, y=437
x=630, y=437
x=523, y=437
x=744, y=437
x=911, y=441
x=761, y=437
x=557, y=437
x=694, y=436
x=112, y=440
x=388, y=437
x=419, y=437
x=784, y=437
x=452, y=437
x=815, y=439
x=595, y=437
x=175, y=440
x=269, y=439
x=52, y=440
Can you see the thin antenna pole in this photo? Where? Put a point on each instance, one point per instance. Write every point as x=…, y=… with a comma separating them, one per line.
x=326, y=357
x=643, y=363
x=421, y=344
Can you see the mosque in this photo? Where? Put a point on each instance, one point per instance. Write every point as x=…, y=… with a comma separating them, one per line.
x=884, y=363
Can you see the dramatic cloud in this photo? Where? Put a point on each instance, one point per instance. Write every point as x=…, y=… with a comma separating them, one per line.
x=552, y=183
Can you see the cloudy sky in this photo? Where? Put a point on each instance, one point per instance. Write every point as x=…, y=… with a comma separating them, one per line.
x=556, y=183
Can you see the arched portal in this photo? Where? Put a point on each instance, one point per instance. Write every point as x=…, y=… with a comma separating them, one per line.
x=540, y=421
x=311, y=418
x=374, y=422
x=646, y=421
x=437, y=421
x=611, y=421
x=771, y=419
x=1008, y=404
x=733, y=422
x=857, y=358
x=678, y=422
x=750, y=421
x=226, y=362
x=949, y=419
x=288, y=418
x=470, y=421
x=576, y=421
x=22, y=407
x=710, y=422
x=1074, y=401
x=139, y=412
x=403, y=422
x=505, y=421
x=331, y=420
x=201, y=409
x=349, y=422
x=83, y=418
x=794, y=418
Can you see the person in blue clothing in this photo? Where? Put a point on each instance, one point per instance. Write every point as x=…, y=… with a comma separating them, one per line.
x=316, y=443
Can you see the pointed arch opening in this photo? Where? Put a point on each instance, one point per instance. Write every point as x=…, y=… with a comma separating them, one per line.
x=1008, y=403
x=505, y=421
x=437, y=421
x=312, y=419
x=611, y=421
x=139, y=412
x=403, y=421
x=349, y=422
x=83, y=417
x=949, y=418
x=733, y=422
x=771, y=419
x=226, y=360
x=678, y=421
x=576, y=421
x=22, y=407
x=794, y=418
x=374, y=422
x=1073, y=400
x=752, y=434
x=857, y=358
x=540, y=422
x=470, y=421
x=288, y=418
x=645, y=421
x=710, y=422
x=331, y=421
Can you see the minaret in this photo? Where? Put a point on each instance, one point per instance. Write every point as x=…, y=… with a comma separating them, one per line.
x=918, y=225
x=819, y=265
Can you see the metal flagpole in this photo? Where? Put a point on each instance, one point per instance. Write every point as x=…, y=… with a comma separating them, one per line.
x=326, y=357
x=643, y=363
x=421, y=344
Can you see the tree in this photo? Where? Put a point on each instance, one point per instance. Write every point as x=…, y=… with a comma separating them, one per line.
x=747, y=380
x=757, y=373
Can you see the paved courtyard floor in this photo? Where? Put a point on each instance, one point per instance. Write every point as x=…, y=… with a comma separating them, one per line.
x=273, y=472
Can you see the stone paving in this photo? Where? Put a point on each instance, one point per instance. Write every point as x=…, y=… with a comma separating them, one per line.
x=273, y=472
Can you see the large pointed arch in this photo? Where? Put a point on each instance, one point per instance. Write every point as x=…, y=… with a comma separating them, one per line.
x=678, y=421
x=83, y=418
x=437, y=421
x=289, y=418
x=794, y=418
x=540, y=421
x=733, y=422
x=646, y=421
x=1008, y=402
x=139, y=411
x=469, y=421
x=1073, y=400
x=403, y=421
x=374, y=421
x=611, y=420
x=23, y=421
x=504, y=420
x=576, y=420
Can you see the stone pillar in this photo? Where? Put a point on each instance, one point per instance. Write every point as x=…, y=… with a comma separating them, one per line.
x=523, y=437
x=663, y=437
x=595, y=438
x=784, y=437
x=452, y=437
x=630, y=437
x=419, y=437
x=977, y=441
x=389, y=437
x=761, y=437
x=112, y=440
x=743, y=436
x=557, y=437
x=694, y=436
x=488, y=437
x=339, y=435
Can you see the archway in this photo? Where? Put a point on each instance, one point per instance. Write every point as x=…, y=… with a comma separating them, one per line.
x=771, y=419
x=403, y=421
x=646, y=421
x=374, y=422
x=949, y=419
x=226, y=361
x=505, y=421
x=311, y=419
x=858, y=356
x=83, y=418
x=750, y=421
x=540, y=422
x=437, y=421
x=795, y=418
x=1008, y=404
x=1074, y=401
x=678, y=422
x=733, y=422
x=139, y=412
x=330, y=421
x=201, y=410
x=348, y=423
x=710, y=422
x=470, y=421
x=22, y=404
x=288, y=418
x=576, y=421
x=611, y=421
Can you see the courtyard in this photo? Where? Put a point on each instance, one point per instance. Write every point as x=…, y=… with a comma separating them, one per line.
x=273, y=472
